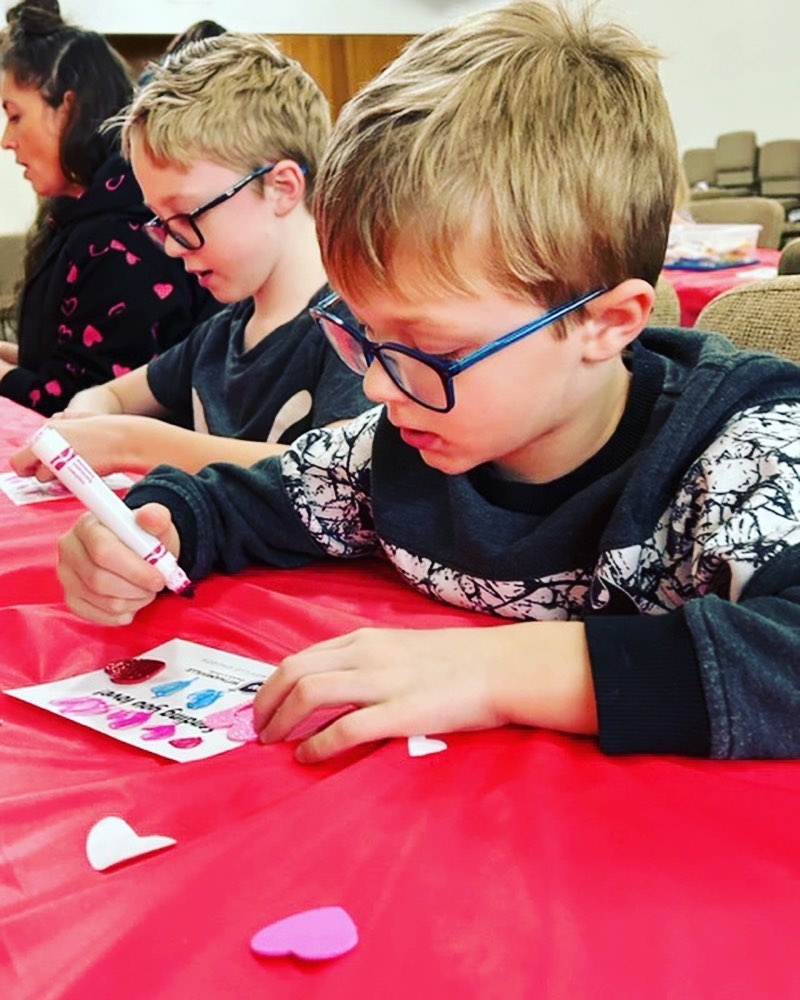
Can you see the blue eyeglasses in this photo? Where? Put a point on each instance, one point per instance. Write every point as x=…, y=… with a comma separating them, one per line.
x=425, y=378
x=183, y=228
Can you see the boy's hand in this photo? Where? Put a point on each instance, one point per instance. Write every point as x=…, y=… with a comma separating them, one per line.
x=9, y=352
x=104, y=581
x=92, y=437
x=407, y=682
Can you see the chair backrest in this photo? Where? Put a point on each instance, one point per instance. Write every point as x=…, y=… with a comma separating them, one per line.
x=764, y=211
x=700, y=166
x=667, y=306
x=736, y=155
x=12, y=249
x=761, y=316
x=779, y=168
x=789, y=262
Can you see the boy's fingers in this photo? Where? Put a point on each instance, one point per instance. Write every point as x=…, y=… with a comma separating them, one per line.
x=313, y=694
x=365, y=725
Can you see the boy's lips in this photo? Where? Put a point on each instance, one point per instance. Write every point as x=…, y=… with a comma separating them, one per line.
x=421, y=440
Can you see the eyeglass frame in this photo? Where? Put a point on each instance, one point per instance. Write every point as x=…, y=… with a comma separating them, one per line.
x=446, y=370
x=157, y=223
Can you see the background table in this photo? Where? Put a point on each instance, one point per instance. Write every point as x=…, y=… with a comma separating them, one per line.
x=696, y=288
x=516, y=864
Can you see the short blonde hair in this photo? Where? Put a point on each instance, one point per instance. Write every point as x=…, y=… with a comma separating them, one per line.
x=543, y=135
x=235, y=99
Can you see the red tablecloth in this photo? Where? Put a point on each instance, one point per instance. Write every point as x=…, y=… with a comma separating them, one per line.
x=697, y=288
x=516, y=864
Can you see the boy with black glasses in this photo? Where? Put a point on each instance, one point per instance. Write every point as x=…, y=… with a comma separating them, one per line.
x=225, y=142
x=494, y=207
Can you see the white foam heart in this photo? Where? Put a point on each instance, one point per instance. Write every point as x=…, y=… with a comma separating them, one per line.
x=111, y=840
x=421, y=746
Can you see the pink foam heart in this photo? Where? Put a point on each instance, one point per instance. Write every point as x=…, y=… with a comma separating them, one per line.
x=242, y=729
x=91, y=335
x=162, y=290
x=324, y=932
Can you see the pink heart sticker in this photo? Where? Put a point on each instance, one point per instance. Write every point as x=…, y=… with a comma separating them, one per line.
x=324, y=932
x=225, y=716
x=91, y=335
x=163, y=290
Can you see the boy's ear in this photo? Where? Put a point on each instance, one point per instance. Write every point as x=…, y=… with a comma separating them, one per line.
x=287, y=183
x=616, y=318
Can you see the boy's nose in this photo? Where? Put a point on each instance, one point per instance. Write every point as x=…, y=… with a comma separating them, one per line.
x=379, y=387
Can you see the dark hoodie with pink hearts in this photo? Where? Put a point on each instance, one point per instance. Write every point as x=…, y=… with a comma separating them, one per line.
x=103, y=300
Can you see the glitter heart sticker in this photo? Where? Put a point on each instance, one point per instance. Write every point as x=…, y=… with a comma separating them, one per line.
x=314, y=935
x=133, y=671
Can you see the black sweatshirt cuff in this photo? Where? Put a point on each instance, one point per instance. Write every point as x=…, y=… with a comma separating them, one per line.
x=647, y=685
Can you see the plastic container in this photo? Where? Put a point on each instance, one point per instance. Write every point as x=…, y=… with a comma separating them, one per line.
x=707, y=246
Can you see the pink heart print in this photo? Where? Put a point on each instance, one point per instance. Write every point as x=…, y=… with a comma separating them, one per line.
x=72, y=275
x=117, y=308
x=93, y=252
x=53, y=387
x=131, y=258
x=91, y=335
x=119, y=370
x=114, y=182
x=68, y=306
x=163, y=290
x=321, y=933
x=116, y=245
x=64, y=331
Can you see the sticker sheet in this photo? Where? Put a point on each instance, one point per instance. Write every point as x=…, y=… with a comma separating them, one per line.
x=27, y=489
x=191, y=702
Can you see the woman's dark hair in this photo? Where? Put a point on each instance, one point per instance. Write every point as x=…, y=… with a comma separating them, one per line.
x=41, y=51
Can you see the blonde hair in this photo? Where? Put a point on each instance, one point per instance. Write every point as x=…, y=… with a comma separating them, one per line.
x=234, y=99
x=544, y=136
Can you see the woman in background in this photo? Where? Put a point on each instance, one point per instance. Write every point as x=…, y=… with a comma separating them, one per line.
x=98, y=298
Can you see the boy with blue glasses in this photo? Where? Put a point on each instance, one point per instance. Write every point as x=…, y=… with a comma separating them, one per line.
x=225, y=141
x=494, y=208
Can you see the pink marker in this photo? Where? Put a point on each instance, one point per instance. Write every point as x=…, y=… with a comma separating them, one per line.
x=80, y=478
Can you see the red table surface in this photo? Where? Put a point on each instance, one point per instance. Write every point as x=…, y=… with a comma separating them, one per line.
x=516, y=864
x=697, y=288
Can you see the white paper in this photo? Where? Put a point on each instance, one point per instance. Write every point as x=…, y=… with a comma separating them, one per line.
x=27, y=489
x=232, y=679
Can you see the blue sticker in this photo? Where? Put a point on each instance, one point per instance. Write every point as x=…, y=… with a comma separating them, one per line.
x=170, y=687
x=202, y=699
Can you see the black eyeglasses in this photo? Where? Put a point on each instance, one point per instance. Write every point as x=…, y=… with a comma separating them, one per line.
x=425, y=378
x=183, y=228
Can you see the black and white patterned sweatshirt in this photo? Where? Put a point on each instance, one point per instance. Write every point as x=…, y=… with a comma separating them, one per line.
x=678, y=543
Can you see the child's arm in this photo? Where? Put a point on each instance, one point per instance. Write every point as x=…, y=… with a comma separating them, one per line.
x=408, y=682
x=138, y=444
